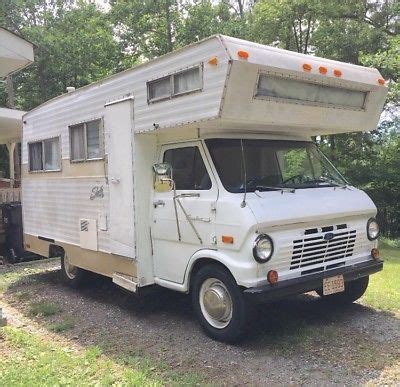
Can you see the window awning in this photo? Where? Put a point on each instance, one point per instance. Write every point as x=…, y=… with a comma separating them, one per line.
x=10, y=125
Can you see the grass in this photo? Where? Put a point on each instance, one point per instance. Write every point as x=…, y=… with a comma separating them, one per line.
x=31, y=361
x=62, y=326
x=44, y=309
x=384, y=287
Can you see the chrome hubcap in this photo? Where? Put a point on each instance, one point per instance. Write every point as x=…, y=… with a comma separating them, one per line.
x=215, y=303
x=70, y=270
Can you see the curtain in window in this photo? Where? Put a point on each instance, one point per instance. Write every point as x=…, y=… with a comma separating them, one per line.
x=271, y=86
x=160, y=89
x=35, y=156
x=187, y=81
x=52, y=154
x=77, y=142
x=93, y=139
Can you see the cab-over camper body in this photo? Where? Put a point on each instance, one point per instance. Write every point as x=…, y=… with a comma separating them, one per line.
x=95, y=198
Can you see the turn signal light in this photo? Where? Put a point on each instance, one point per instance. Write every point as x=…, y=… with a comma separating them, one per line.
x=307, y=67
x=337, y=73
x=213, y=61
x=323, y=70
x=243, y=54
x=381, y=81
x=375, y=254
x=272, y=277
x=227, y=239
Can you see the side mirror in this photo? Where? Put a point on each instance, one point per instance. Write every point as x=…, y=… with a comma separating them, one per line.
x=163, y=177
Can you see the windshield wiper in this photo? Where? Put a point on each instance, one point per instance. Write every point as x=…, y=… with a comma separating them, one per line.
x=322, y=180
x=282, y=189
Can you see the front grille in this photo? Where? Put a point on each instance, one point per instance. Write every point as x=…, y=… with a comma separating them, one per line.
x=316, y=250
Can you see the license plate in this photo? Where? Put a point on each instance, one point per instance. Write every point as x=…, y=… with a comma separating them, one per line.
x=333, y=285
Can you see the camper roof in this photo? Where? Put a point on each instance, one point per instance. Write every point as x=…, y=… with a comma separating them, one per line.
x=251, y=86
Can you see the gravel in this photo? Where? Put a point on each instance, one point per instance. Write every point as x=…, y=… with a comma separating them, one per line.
x=296, y=341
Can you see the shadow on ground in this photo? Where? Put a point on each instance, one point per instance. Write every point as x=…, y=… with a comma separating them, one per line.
x=298, y=340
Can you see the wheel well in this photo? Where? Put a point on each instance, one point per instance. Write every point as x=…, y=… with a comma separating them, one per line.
x=56, y=251
x=201, y=262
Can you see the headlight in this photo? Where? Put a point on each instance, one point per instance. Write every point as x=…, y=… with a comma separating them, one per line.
x=263, y=248
x=372, y=229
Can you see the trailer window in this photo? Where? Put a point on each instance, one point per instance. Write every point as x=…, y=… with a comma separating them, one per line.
x=85, y=141
x=299, y=91
x=159, y=89
x=188, y=169
x=182, y=82
x=45, y=155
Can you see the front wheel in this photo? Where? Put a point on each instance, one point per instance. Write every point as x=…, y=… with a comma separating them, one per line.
x=72, y=275
x=352, y=292
x=219, y=304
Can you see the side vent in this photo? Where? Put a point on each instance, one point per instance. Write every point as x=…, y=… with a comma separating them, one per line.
x=88, y=234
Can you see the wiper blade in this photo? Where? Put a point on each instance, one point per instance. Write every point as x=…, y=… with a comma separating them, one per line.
x=282, y=189
x=322, y=180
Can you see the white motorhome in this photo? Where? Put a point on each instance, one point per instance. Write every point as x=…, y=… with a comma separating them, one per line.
x=196, y=172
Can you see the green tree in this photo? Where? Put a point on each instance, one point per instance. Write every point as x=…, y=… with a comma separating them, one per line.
x=146, y=28
x=74, y=46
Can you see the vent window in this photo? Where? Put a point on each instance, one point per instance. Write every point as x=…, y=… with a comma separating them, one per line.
x=298, y=91
x=176, y=84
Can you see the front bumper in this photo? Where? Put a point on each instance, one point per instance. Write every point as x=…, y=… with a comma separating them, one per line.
x=268, y=293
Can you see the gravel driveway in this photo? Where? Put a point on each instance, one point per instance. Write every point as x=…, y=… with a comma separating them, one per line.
x=297, y=341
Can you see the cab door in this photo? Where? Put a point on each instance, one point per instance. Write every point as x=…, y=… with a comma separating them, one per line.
x=184, y=221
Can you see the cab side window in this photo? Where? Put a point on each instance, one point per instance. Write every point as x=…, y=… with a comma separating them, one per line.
x=188, y=169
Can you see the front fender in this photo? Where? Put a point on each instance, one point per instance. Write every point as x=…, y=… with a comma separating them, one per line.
x=241, y=269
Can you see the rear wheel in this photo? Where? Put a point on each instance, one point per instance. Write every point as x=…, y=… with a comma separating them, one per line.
x=72, y=275
x=219, y=304
x=353, y=291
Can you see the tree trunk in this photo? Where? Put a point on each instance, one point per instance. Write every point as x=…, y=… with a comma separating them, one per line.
x=241, y=10
x=10, y=93
x=169, y=27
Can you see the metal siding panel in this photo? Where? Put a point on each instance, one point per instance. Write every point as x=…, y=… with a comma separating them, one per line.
x=53, y=207
x=54, y=117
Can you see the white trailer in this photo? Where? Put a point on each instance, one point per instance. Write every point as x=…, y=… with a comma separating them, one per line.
x=196, y=172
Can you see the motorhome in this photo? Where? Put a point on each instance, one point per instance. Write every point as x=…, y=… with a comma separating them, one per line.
x=197, y=172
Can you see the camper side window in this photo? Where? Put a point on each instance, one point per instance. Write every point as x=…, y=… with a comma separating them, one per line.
x=188, y=169
x=179, y=83
x=45, y=155
x=85, y=141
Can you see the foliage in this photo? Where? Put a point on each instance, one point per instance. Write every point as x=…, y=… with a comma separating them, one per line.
x=78, y=43
x=384, y=288
x=74, y=46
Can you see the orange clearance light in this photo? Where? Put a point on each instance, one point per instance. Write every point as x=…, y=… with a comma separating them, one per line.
x=307, y=67
x=213, y=61
x=323, y=70
x=337, y=73
x=243, y=54
x=375, y=254
x=227, y=239
x=272, y=277
x=381, y=81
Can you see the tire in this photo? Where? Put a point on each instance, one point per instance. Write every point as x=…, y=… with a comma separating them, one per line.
x=227, y=314
x=73, y=276
x=353, y=291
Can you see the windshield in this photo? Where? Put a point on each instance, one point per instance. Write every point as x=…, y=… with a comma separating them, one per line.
x=267, y=165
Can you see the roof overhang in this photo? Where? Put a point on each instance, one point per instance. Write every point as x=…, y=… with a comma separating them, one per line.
x=10, y=125
x=15, y=53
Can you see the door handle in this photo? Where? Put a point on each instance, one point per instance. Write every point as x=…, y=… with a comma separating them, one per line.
x=158, y=203
x=188, y=195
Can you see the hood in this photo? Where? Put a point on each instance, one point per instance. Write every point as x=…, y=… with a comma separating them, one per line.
x=307, y=205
